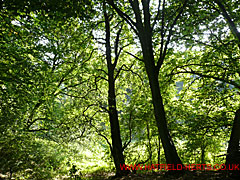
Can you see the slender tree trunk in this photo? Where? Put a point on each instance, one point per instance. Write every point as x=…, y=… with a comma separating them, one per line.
x=117, y=152
x=149, y=143
x=203, y=155
x=159, y=150
x=116, y=149
x=233, y=152
x=159, y=112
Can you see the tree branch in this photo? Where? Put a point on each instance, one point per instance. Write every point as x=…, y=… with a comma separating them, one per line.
x=162, y=57
x=157, y=15
x=130, y=133
x=229, y=21
x=137, y=12
x=209, y=76
x=123, y=15
x=117, y=53
x=134, y=56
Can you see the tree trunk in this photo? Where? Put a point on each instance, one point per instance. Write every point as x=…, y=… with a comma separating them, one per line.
x=203, y=155
x=233, y=152
x=149, y=143
x=159, y=151
x=142, y=28
x=117, y=152
x=116, y=149
x=159, y=112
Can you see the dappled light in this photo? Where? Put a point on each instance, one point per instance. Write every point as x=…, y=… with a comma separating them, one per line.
x=128, y=89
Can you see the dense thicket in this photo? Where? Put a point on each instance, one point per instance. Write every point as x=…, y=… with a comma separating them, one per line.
x=89, y=85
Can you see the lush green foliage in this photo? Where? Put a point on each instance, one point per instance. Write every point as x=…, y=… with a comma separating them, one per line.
x=54, y=118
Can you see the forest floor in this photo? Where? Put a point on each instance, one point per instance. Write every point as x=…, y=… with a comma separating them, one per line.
x=189, y=175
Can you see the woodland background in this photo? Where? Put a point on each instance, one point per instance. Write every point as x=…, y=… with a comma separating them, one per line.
x=88, y=85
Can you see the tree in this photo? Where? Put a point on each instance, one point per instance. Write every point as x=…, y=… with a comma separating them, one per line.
x=218, y=59
x=39, y=57
x=144, y=28
x=116, y=148
x=67, y=76
x=233, y=148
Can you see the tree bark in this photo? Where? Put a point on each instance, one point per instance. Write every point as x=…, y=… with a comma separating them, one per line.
x=233, y=152
x=116, y=149
x=117, y=152
x=159, y=112
x=149, y=143
x=159, y=150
